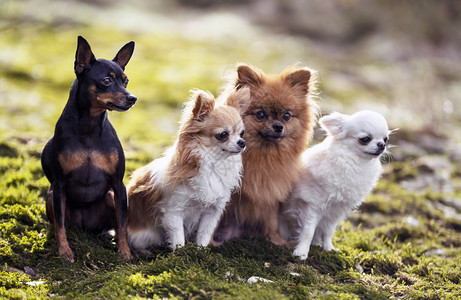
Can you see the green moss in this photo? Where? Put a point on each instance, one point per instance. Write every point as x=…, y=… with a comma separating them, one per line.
x=328, y=262
x=385, y=257
x=19, y=286
x=7, y=151
x=379, y=263
x=403, y=171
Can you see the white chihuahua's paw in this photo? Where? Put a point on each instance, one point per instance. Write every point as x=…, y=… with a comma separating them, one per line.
x=302, y=256
x=329, y=247
x=317, y=243
x=301, y=252
x=176, y=246
x=203, y=241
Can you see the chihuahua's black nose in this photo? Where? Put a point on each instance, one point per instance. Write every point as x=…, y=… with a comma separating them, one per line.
x=381, y=146
x=131, y=98
x=242, y=143
x=278, y=127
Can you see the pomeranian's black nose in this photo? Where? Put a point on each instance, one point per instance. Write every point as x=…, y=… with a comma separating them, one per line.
x=242, y=143
x=278, y=127
x=131, y=98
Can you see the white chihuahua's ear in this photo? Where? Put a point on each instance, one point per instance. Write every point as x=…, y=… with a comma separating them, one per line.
x=333, y=124
x=204, y=104
x=239, y=99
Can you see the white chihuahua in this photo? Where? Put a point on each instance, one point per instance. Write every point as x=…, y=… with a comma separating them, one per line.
x=184, y=193
x=338, y=174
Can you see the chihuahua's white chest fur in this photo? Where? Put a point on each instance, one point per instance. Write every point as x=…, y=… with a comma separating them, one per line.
x=195, y=204
x=341, y=178
x=218, y=175
x=337, y=175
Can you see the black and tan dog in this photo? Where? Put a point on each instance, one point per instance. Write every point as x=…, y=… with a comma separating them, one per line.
x=84, y=160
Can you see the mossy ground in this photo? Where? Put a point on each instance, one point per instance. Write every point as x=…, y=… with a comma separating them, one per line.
x=380, y=255
x=383, y=251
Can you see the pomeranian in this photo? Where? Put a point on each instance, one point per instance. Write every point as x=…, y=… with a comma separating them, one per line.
x=279, y=118
x=338, y=174
x=183, y=194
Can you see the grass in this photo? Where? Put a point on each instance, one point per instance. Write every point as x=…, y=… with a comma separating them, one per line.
x=381, y=254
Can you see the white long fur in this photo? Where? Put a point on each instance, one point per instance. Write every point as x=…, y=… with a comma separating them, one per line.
x=195, y=204
x=336, y=179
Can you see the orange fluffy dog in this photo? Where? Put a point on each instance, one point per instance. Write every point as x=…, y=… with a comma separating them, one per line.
x=279, y=121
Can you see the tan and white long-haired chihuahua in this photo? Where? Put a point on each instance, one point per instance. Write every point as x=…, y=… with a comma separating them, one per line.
x=183, y=194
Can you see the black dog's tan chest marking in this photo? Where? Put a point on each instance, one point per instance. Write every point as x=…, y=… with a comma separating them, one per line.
x=72, y=161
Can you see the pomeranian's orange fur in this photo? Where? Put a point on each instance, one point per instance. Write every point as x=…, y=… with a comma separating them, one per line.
x=270, y=168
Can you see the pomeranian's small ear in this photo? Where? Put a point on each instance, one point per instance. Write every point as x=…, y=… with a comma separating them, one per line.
x=204, y=104
x=300, y=78
x=239, y=99
x=247, y=75
x=333, y=124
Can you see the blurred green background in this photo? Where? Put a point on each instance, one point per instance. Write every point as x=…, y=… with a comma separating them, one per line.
x=401, y=58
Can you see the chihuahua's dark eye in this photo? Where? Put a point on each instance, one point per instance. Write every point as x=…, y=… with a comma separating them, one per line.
x=365, y=140
x=222, y=137
x=385, y=139
x=126, y=82
x=261, y=115
x=106, y=81
x=242, y=133
x=286, y=116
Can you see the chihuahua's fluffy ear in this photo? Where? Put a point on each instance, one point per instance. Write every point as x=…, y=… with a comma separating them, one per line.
x=240, y=100
x=247, y=76
x=203, y=103
x=334, y=123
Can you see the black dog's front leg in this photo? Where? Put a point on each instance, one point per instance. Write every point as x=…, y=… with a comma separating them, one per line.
x=121, y=209
x=59, y=211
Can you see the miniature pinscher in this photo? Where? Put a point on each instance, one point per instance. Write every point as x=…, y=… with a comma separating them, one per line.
x=84, y=160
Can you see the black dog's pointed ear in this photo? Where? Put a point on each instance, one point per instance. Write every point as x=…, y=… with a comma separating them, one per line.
x=83, y=57
x=123, y=56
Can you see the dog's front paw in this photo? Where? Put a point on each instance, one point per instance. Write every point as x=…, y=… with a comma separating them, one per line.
x=329, y=247
x=301, y=253
x=125, y=254
x=202, y=242
x=67, y=253
x=291, y=244
x=176, y=246
x=277, y=239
